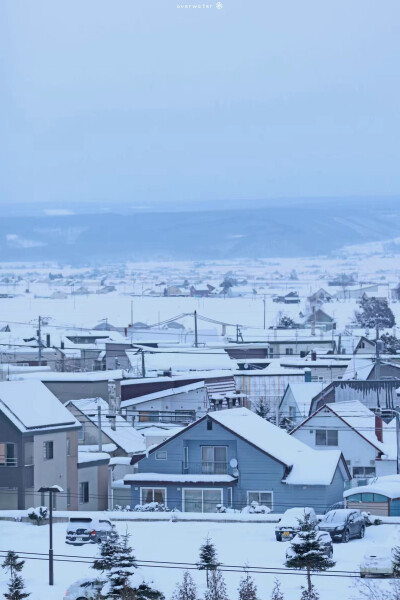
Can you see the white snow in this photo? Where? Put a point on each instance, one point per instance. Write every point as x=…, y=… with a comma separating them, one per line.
x=309, y=467
x=31, y=406
x=88, y=457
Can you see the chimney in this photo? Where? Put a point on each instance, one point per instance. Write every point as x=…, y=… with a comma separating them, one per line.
x=313, y=355
x=379, y=428
x=307, y=375
x=48, y=340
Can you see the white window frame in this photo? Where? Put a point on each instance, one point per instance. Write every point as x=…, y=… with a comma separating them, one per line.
x=261, y=492
x=13, y=461
x=161, y=452
x=202, y=496
x=327, y=430
x=152, y=487
x=45, y=457
x=186, y=457
x=81, y=433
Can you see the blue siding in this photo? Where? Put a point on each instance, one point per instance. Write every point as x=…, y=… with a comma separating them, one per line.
x=257, y=472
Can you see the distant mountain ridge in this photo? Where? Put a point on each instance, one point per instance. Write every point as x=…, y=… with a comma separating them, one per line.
x=275, y=231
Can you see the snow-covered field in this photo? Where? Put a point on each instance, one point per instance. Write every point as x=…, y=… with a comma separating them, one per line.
x=237, y=544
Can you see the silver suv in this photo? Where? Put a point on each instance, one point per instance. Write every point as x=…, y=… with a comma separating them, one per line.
x=85, y=530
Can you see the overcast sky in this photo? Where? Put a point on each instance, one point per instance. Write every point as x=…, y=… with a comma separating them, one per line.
x=142, y=101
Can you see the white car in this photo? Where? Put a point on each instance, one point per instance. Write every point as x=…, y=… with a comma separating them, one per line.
x=289, y=524
x=83, y=589
x=375, y=565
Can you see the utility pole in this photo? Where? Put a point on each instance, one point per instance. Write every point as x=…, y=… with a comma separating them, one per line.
x=195, y=330
x=143, y=364
x=51, y=490
x=99, y=427
x=39, y=333
x=131, y=313
x=264, y=310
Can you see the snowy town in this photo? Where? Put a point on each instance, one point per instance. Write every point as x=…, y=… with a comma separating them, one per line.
x=199, y=300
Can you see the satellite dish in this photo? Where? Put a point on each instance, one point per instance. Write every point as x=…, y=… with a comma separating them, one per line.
x=245, y=366
x=233, y=463
x=235, y=472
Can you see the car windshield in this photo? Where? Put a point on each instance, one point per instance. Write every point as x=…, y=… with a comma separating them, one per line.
x=336, y=516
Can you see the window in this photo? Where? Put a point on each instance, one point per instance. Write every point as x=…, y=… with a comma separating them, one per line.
x=185, y=457
x=214, y=459
x=161, y=455
x=292, y=412
x=201, y=500
x=209, y=425
x=8, y=454
x=48, y=450
x=363, y=472
x=326, y=437
x=230, y=498
x=148, y=495
x=289, y=351
x=68, y=446
x=83, y=492
x=264, y=498
x=81, y=433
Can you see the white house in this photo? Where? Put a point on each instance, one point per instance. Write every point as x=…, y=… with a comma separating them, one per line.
x=296, y=401
x=367, y=443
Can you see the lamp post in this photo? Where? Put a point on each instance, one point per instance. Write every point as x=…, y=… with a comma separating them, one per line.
x=52, y=490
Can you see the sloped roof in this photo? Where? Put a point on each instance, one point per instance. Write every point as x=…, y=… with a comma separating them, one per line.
x=32, y=407
x=308, y=466
x=303, y=394
x=124, y=435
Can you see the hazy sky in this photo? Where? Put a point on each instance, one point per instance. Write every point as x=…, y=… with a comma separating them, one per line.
x=139, y=100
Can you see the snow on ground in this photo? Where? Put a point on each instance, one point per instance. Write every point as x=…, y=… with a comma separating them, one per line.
x=237, y=544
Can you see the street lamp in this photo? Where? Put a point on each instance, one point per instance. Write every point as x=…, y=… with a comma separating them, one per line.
x=52, y=490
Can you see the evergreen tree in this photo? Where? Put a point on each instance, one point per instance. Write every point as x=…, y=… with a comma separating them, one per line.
x=375, y=312
x=262, y=409
x=247, y=588
x=208, y=558
x=396, y=560
x=108, y=550
x=309, y=594
x=216, y=587
x=308, y=552
x=276, y=591
x=145, y=592
x=185, y=590
x=123, y=567
x=16, y=587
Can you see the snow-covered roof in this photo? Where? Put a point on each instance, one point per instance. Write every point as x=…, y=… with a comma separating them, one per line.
x=173, y=478
x=124, y=435
x=358, y=368
x=205, y=359
x=86, y=376
x=31, y=406
x=386, y=486
x=183, y=389
x=308, y=466
x=303, y=394
x=88, y=457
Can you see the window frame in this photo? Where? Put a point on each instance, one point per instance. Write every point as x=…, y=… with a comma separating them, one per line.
x=326, y=433
x=153, y=488
x=161, y=452
x=261, y=492
x=10, y=462
x=82, y=494
x=81, y=432
x=47, y=445
x=202, y=490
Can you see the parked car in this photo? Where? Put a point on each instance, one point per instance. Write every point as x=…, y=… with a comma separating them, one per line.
x=375, y=565
x=343, y=524
x=86, y=530
x=84, y=589
x=289, y=523
x=323, y=537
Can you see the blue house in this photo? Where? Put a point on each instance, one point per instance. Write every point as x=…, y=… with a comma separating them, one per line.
x=234, y=457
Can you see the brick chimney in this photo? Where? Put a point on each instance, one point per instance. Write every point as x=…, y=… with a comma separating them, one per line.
x=379, y=428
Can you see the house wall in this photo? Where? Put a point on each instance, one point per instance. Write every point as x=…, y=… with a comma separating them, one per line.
x=53, y=471
x=257, y=471
x=72, y=470
x=14, y=480
x=354, y=448
x=270, y=388
x=195, y=400
x=74, y=390
x=97, y=477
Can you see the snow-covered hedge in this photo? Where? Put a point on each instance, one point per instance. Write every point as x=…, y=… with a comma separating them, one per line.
x=38, y=514
x=151, y=507
x=253, y=508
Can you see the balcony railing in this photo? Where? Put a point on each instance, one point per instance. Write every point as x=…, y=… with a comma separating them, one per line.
x=205, y=468
x=165, y=416
x=8, y=462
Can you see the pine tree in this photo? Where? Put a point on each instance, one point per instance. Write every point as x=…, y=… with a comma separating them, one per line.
x=185, y=590
x=108, y=550
x=216, y=587
x=123, y=567
x=396, y=560
x=375, y=313
x=16, y=587
x=145, y=592
x=208, y=558
x=247, y=588
x=308, y=551
x=276, y=591
x=309, y=594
